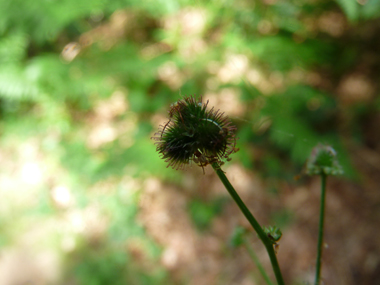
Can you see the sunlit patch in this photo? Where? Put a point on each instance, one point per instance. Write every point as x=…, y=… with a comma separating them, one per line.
x=130, y=185
x=242, y=179
x=254, y=76
x=261, y=81
x=113, y=106
x=193, y=21
x=188, y=22
x=24, y=265
x=151, y=51
x=168, y=223
x=234, y=68
x=265, y=83
x=170, y=74
x=152, y=185
x=101, y=134
x=31, y=173
x=355, y=88
x=88, y=222
x=169, y=257
x=228, y=100
x=76, y=221
x=190, y=50
x=109, y=33
x=332, y=23
x=106, y=124
x=70, y=51
x=61, y=196
x=68, y=243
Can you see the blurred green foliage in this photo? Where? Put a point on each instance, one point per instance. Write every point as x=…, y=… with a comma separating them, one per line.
x=202, y=213
x=360, y=10
x=61, y=62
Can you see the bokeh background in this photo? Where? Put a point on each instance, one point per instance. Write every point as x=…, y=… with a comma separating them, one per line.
x=84, y=85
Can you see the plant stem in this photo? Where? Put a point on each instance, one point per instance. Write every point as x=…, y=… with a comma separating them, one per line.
x=320, y=230
x=260, y=232
x=256, y=260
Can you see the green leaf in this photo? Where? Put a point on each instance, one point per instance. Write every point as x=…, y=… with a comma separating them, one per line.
x=351, y=8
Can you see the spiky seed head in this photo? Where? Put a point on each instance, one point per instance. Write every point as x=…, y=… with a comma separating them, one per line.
x=195, y=133
x=323, y=160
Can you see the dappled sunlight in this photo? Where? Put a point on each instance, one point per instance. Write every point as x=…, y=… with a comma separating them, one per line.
x=70, y=51
x=154, y=50
x=110, y=33
x=233, y=69
x=23, y=265
x=243, y=180
x=191, y=50
x=188, y=22
x=227, y=100
x=332, y=23
x=84, y=85
x=101, y=134
x=31, y=173
x=105, y=126
x=163, y=214
x=62, y=196
x=171, y=75
x=112, y=107
x=356, y=88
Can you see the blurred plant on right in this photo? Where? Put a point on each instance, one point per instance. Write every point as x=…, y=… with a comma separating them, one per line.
x=322, y=161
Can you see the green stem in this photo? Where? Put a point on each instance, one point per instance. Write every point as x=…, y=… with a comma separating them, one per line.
x=256, y=260
x=260, y=232
x=320, y=230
